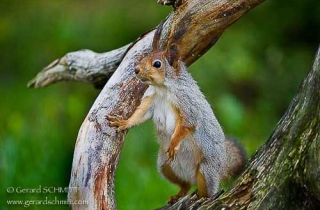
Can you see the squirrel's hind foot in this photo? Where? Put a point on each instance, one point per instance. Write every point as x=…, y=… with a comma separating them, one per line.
x=183, y=191
x=173, y=199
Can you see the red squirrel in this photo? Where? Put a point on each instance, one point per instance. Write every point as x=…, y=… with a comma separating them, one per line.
x=192, y=143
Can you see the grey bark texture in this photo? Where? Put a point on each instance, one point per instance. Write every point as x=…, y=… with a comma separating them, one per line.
x=84, y=66
x=282, y=174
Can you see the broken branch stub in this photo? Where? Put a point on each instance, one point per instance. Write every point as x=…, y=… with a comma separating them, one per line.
x=83, y=65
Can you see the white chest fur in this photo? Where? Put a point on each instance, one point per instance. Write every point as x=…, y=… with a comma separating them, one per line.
x=163, y=113
x=164, y=117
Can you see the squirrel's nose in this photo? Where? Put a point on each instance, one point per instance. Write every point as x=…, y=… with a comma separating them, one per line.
x=137, y=69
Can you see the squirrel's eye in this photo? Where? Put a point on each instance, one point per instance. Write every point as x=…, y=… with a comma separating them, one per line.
x=156, y=64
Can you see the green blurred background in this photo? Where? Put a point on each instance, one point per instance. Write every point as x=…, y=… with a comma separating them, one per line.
x=249, y=77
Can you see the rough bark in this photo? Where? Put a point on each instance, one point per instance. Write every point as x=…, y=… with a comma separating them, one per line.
x=84, y=66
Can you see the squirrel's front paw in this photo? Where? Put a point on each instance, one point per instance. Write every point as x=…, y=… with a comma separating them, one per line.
x=116, y=121
x=172, y=151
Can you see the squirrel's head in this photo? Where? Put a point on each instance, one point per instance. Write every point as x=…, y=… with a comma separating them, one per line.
x=152, y=69
x=157, y=66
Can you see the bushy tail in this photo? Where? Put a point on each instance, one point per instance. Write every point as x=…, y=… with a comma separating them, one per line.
x=236, y=159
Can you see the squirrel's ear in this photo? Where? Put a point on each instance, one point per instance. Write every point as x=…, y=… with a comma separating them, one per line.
x=156, y=37
x=173, y=55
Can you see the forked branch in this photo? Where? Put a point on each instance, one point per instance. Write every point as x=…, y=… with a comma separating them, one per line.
x=194, y=26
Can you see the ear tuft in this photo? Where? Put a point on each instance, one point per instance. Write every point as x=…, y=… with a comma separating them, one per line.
x=156, y=38
x=173, y=55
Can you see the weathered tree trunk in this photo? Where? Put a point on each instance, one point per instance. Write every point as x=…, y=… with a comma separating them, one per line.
x=281, y=175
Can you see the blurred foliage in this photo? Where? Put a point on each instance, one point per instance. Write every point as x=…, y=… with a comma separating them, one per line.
x=249, y=77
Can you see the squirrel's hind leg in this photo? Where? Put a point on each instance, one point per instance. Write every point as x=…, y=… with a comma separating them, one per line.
x=201, y=185
x=208, y=180
x=184, y=186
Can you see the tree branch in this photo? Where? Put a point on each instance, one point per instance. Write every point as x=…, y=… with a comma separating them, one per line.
x=194, y=27
x=84, y=65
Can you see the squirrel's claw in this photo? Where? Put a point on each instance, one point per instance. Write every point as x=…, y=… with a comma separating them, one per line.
x=113, y=118
x=116, y=121
x=172, y=199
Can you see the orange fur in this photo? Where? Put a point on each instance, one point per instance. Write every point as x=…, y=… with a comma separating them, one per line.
x=184, y=186
x=180, y=132
x=201, y=184
x=135, y=119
